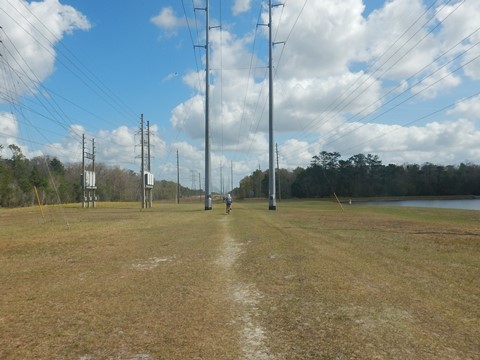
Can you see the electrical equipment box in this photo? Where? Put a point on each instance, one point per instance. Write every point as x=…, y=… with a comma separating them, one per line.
x=89, y=178
x=149, y=180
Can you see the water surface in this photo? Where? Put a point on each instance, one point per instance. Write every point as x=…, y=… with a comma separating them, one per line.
x=465, y=204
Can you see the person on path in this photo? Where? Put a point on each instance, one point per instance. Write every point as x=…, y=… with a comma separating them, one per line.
x=228, y=204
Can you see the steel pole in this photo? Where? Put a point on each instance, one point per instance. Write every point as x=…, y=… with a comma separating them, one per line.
x=272, y=205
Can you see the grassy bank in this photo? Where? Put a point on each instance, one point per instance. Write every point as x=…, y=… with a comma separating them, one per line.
x=176, y=282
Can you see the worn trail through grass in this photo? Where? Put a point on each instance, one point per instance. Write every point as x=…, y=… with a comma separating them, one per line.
x=245, y=298
x=307, y=281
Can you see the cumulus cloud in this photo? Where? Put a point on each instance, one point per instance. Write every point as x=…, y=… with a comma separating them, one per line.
x=462, y=26
x=323, y=43
x=334, y=75
x=241, y=6
x=8, y=126
x=469, y=109
x=438, y=142
x=167, y=20
x=337, y=66
x=8, y=131
x=30, y=31
x=397, y=43
x=439, y=81
x=116, y=147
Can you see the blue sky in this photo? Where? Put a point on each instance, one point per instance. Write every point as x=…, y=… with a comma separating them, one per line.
x=399, y=79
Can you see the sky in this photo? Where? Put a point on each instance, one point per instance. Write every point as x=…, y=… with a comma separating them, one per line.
x=399, y=79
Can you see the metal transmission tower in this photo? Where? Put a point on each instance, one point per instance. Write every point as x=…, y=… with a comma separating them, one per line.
x=147, y=179
x=208, y=194
x=88, y=176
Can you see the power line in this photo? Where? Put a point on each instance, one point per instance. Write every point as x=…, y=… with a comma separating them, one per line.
x=416, y=120
x=431, y=85
x=358, y=89
x=77, y=64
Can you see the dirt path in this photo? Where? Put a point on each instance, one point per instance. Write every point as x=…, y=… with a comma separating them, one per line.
x=244, y=298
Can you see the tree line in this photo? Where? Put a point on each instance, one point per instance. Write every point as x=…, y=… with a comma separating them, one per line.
x=364, y=176
x=358, y=176
x=60, y=183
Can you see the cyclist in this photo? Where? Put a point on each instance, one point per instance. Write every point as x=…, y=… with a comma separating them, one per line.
x=228, y=204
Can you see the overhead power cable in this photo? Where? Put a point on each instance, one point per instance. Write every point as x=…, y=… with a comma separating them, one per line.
x=419, y=72
x=357, y=89
x=107, y=94
x=412, y=87
x=449, y=106
x=431, y=30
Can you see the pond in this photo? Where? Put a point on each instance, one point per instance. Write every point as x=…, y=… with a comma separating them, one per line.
x=465, y=204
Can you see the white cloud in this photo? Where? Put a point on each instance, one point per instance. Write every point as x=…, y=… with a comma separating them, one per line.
x=167, y=20
x=302, y=152
x=468, y=108
x=440, y=81
x=8, y=132
x=327, y=74
x=241, y=6
x=396, y=44
x=121, y=145
x=29, y=34
x=323, y=41
x=117, y=147
x=460, y=19
x=436, y=142
x=189, y=117
x=472, y=64
x=8, y=125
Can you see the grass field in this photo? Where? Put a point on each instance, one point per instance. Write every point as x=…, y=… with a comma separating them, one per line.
x=308, y=281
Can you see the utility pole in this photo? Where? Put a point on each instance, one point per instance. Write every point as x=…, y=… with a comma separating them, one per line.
x=231, y=175
x=146, y=177
x=221, y=179
x=272, y=205
x=142, y=156
x=208, y=195
x=83, y=171
x=178, y=180
x=88, y=176
x=193, y=176
x=93, y=170
x=200, y=185
x=278, y=176
x=149, y=167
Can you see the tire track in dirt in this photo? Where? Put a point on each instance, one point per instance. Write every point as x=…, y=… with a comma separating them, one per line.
x=245, y=298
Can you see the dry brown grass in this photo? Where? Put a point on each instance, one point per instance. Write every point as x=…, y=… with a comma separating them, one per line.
x=176, y=282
